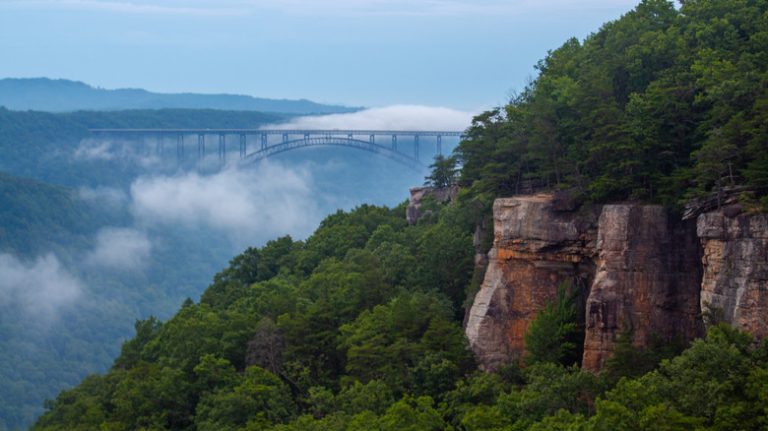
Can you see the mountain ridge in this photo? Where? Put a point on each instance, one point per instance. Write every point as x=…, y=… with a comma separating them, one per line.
x=63, y=95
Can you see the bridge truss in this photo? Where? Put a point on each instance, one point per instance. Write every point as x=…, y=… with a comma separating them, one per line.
x=274, y=141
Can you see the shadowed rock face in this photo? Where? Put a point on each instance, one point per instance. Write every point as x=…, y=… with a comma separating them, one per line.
x=735, y=260
x=641, y=268
x=647, y=281
x=418, y=194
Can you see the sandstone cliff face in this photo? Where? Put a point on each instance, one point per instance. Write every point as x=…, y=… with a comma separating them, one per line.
x=640, y=271
x=735, y=260
x=647, y=281
x=535, y=249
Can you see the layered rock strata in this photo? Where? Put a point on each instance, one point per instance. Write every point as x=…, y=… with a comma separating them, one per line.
x=647, y=281
x=535, y=249
x=639, y=268
x=735, y=259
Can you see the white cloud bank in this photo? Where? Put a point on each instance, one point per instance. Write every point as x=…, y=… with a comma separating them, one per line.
x=249, y=205
x=120, y=248
x=396, y=117
x=40, y=287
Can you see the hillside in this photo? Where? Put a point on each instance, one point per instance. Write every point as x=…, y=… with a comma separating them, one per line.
x=661, y=105
x=61, y=95
x=360, y=326
x=71, y=217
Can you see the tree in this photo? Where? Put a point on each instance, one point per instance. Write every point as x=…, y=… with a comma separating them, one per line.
x=443, y=172
x=549, y=336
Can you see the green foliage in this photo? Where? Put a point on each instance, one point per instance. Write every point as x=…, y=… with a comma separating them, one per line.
x=630, y=361
x=550, y=336
x=359, y=326
x=443, y=172
x=661, y=104
x=259, y=399
x=338, y=328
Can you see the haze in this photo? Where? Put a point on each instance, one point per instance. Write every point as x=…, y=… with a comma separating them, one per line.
x=463, y=54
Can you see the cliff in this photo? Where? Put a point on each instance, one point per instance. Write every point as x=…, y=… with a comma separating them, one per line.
x=639, y=271
x=535, y=249
x=647, y=281
x=735, y=260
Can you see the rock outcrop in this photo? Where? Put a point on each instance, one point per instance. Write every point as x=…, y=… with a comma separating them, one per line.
x=639, y=268
x=735, y=259
x=535, y=249
x=647, y=281
x=418, y=194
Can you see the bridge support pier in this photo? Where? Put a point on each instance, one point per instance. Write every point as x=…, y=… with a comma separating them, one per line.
x=222, y=147
x=200, y=146
x=263, y=141
x=416, y=147
x=243, y=144
x=394, y=142
x=440, y=145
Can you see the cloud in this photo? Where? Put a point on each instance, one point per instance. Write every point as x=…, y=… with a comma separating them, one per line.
x=120, y=248
x=40, y=287
x=94, y=150
x=105, y=195
x=396, y=117
x=248, y=205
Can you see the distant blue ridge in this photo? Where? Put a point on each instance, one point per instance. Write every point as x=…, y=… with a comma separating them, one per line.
x=62, y=95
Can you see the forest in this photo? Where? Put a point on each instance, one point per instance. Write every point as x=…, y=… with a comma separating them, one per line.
x=359, y=327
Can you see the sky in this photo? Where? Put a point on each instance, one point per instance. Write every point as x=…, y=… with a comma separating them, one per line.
x=461, y=54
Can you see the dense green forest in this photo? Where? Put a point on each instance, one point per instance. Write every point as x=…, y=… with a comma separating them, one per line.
x=660, y=105
x=360, y=326
x=54, y=208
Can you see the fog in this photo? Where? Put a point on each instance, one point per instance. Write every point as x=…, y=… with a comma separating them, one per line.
x=39, y=287
x=249, y=205
x=395, y=117
x=120, y=248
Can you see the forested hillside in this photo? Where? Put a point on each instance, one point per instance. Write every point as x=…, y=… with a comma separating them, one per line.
x=359, y=326
x=53, y=211
x=65, y=215
x=42, y=145
x=660, y=105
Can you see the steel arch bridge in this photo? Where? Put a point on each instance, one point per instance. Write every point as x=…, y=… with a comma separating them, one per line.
x=275, y=141
x=339, y=141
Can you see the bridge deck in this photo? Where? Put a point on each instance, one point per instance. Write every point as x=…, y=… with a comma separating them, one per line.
x=324, y=132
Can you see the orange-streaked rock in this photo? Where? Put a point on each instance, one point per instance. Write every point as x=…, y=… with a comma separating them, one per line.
x=639, y=266
x=535, y=249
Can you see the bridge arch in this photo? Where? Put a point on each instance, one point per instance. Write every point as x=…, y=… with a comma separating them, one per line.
x=339, y=141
